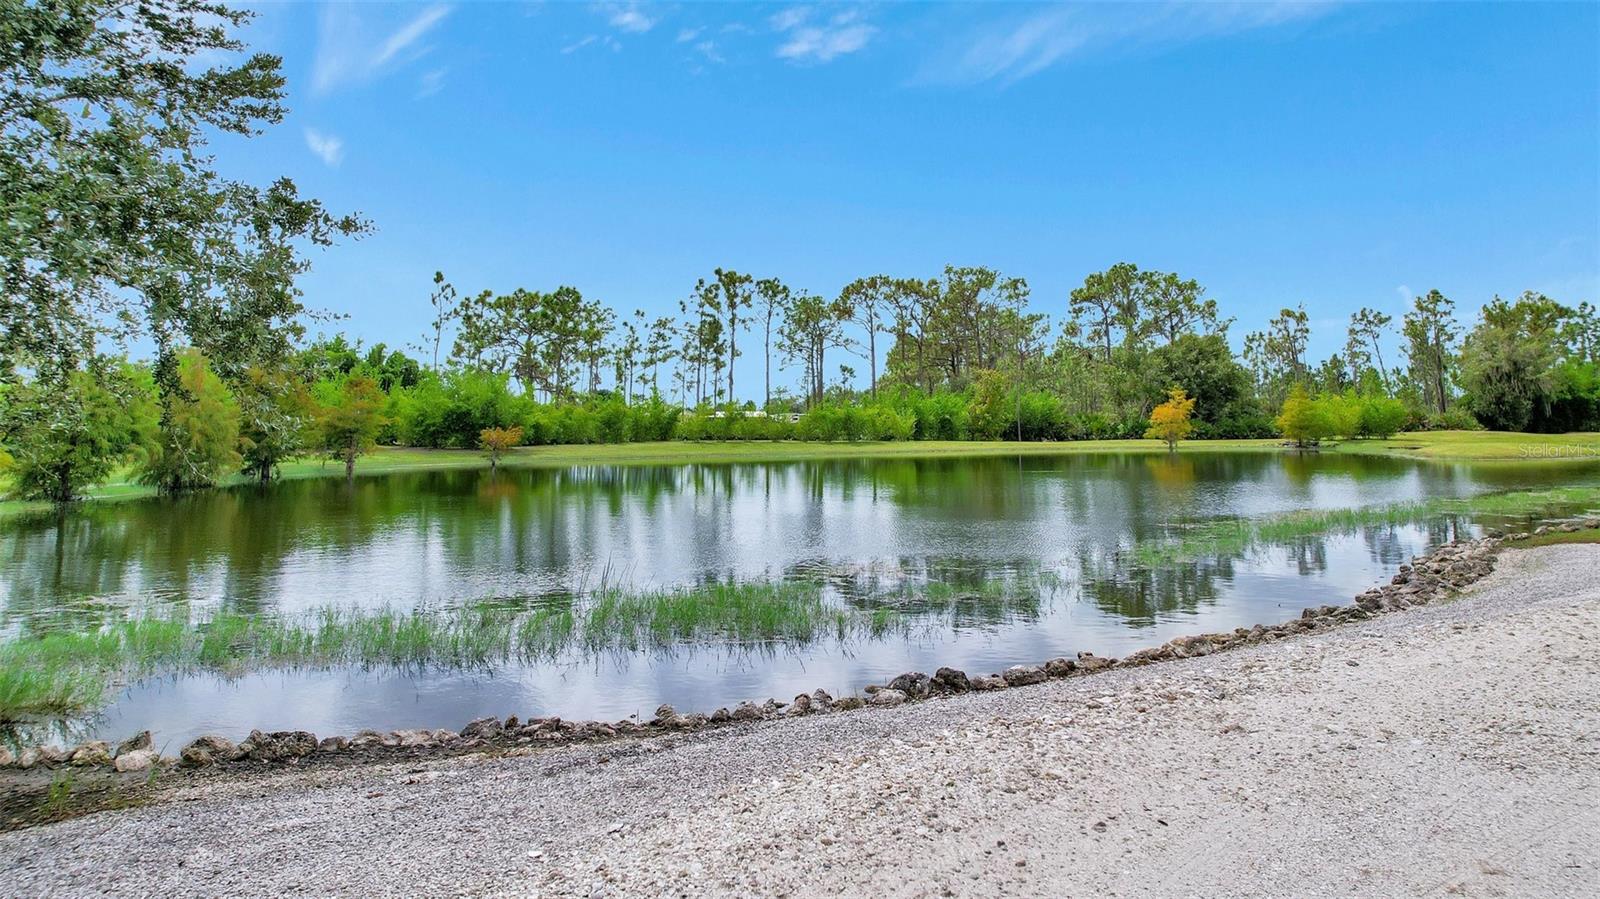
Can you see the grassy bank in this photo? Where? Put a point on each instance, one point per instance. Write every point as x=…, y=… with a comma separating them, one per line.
x=1443, y=446
x=1234, y=536
x=1479, y=446
x=1592, y=535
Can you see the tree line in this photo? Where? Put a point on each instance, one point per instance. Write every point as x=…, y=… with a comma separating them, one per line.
x=965, y=358
x=120, y=231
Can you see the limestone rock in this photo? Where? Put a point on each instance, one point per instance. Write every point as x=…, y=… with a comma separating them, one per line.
x=208, y=750
x=368, y=739
x=888, y=697
x=138, y=741
x=414, y=737
x=483, y=729
x=1022, y=675
x=278, y=745
x=1088, y=661
x=1060, y=667
x=951, y=680
x=135, y=760
x=989, y=682
x=914, y=684
x=94, y=752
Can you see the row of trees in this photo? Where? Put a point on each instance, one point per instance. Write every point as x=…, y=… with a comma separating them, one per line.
x=1127, y=331
x=114, y=414
x=120, y=231
x=554, y=368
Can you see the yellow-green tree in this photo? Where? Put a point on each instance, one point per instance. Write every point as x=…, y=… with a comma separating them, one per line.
x=349, y=424
x=199, y=430
x=1301, y=420
x=1170, y=420
x=496, y=441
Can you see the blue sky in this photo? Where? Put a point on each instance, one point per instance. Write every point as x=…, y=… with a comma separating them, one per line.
x=1338, y=155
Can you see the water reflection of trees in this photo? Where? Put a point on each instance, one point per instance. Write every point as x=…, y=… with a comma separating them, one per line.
x=1143, y=596
x=532, y=532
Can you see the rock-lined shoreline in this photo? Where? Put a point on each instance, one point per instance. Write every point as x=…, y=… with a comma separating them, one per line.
x=1447, y=568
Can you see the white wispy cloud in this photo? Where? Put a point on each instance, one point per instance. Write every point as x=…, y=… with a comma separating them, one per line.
x=411, y=33
x=328, y=148
x=592, y=40
x=708, y=49
x=1025, y=45
x=631, y=18
x=431, y=82
x=789, y=18
x=685, y=35
x=349, y=51
x=1405, y=293
x=810, y=40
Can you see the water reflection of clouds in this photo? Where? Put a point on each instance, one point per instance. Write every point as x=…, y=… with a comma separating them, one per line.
x=442, y=539
x=1273, y=585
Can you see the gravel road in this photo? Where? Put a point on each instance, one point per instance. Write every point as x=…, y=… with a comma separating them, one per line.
x=1452, y=749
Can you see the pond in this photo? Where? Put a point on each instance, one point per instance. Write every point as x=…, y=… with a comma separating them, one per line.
x=1056, y=533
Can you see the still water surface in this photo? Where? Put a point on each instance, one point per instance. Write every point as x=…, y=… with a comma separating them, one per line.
x=437, y=540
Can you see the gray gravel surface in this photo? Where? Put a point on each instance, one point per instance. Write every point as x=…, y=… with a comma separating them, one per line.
x=1446, y=750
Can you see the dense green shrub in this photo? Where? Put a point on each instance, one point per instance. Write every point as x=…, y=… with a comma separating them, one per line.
x=1339, y=414
x=453, y=410
x=1244, y=424
x=1457, y=419
x=654, y=419
x=1574, y=399
x=884, y=422
x=830, y=422
x=937, y=416
x=1382, y=416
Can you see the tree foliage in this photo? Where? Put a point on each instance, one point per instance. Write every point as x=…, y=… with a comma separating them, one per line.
x=116, y=221
x=1519, y=365
x=71, y=436
x=349, y=420
x=199, y=439
x=1430, y=332
x=1300, y=420
x=495, y=442
x=1170, y=421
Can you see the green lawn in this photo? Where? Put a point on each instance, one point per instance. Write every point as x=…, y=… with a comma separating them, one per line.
x=1435, y=445
x=1480, y=446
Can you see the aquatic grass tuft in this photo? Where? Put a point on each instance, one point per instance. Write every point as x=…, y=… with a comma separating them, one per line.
x=1235, y=536
x=60, y=673
x=52, y=689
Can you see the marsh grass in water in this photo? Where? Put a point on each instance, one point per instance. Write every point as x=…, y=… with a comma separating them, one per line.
x=56, y=674
x=1235, y=536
